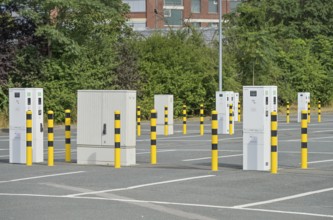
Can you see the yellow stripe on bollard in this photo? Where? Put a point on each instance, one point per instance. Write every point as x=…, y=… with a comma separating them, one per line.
x=202, y=127
x=309, y=111
x=50, y=138
x=138, y=121
x=29, y=138
x=184, y=120
x=68, y=135
x=319, y=111
x=239, y=111
x=166, y=127
x=304, y=140
x=117, y=138
x=231, y=128
x=274, y=143
x=215, y=162
x=153, y=153
x=288, y=113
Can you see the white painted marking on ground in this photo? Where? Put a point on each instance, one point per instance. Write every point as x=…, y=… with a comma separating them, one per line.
x=159, y=151
x=39, y=177
x=178, y=137
x=205, y=158
x=292, y=140
x=321, y=131
x=321, y=161
x=288, y=212
x=298, y=152
x=171, y=203
x=140, y=186
x=284, y=198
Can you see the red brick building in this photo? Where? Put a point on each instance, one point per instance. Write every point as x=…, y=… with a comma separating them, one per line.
x=155, y=14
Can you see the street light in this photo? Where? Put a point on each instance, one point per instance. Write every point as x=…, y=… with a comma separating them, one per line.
x=220, y=46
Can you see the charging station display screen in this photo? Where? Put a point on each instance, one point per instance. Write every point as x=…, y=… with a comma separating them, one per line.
x=253, y=93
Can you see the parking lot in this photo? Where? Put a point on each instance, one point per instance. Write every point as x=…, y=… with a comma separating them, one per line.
x=181, y=185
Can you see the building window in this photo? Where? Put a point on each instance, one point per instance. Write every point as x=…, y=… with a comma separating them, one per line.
x=234, y=4
x=196, y=24
x=173, y=17
x=212, y=6
x=173, y=2
x=195, y=6
x=213, y=24
x=136, y=5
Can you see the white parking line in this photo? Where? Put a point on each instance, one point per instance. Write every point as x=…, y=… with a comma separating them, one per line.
x=159, y=151
x=321, y=161
x=171, y=203
x=292, y=140
x=140, y=186
x=283, y=198
x=205, y=158
x=38, y=177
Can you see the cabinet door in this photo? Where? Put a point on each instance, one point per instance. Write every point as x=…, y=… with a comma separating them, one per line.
x=90, y=127
x=109, y=103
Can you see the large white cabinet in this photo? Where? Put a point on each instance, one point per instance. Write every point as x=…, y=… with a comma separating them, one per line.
x=95, y=129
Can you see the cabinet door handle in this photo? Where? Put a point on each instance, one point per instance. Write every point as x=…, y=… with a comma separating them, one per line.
x=104, y=128
x=41, y=127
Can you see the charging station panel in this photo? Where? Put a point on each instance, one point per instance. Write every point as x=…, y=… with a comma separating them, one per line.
x=258, y=103
x=20, y=101
x=303, y=98
x=223, y=101
x=235, y=106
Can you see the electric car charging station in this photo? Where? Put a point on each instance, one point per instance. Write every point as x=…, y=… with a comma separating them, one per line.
x=258, y=103
x=303, y=99
x=160, y=101
x=223, y=101
x=20, y=101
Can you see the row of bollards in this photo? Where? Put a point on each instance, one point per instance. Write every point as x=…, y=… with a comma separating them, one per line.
x=50, y=137
x=184, y=120
x=308, y=112
x=304, y=141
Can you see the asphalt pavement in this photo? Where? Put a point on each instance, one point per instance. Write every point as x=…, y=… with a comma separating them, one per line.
x=181, y=185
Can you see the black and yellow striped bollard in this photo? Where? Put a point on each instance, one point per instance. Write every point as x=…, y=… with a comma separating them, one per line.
x=68, y=135
x=50, y=138
x=288, y=113
x=304, y=140
x=319, y=111
x=138, y=121
x=166, y=127
x=153, y=156
x=29, y=138
x=231, y=118
x=215, y=154
x=117, y=149
x=309, y=112
x=184, y=120
x=274, y=143
x=202, y=128
x=239, y=111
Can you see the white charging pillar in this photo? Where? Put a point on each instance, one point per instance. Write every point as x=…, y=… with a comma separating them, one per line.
x=258, y=103
x=20, y=101
x=160, y=101
x=303, y=98
x=223, y=101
